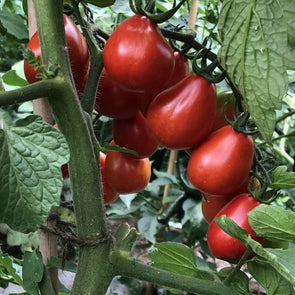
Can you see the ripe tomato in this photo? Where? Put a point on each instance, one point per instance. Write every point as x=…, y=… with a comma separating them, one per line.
x=137, y=56
x=181, y=116
x=133, y=133
x=181, y=70
x=225, y=105
x=222, y=245
x=78, y=53
x=113, y=101
x=222, y=162
x=109, y=194
x=211, y=205
x=126, y=174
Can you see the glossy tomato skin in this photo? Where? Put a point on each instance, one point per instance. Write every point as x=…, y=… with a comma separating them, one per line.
x=181, y=116
x=77, y=48
x=223, y=246
x=126, y=174
x=133, y=133
x=181, y=70
x=137, y=56
x=222, y=162
x=211, y=205
x=114, y=101
x=109, y=194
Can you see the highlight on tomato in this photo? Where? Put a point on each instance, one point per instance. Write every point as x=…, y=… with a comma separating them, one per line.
x=181, y=70
x=114, y=101
x=222, y=162
x=222, y=245
x=126, y=174
x=137, y=56
x=181, y=116
x=78, y=54
x=133, y=133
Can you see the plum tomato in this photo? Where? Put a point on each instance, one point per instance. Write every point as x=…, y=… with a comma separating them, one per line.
x=133, y=133
x=222, y=245
x=77, y=48
x=222, y=162
x=181, y=116
x=109, y=194
x=126, y=174
x=137, y=56
x=181, y=70
x=113, y=101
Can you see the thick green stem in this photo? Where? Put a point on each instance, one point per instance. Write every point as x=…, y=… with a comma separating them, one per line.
x=129, y=267
x=93, y=274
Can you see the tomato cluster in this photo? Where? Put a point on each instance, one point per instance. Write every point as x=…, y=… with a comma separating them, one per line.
x=147, y=89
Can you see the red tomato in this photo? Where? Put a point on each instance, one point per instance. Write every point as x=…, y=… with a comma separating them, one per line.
x=133, y=133
x=181, y=70
x=181, y=116
x=221, y=244
x=78, y=53
x=109, y=194
x=211, y=205
x=126, y=174
x=137, y=56
x=113, y=101
x=222, y=162
x=226, y=105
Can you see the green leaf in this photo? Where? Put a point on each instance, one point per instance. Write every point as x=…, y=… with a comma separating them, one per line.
x=148, y=226
x=289, y=10
x=31, y=154
x=273, y=222
x=14, y=24
x=176, y=258
x=64, y=265
x=269, y=278
x=11, y=267
x=282, y=179
x=239, y=281
x=32, y=272
x=11, y=78
x=254, y=46
x=231, y=228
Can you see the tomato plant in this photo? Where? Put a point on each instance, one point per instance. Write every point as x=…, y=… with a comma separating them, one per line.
x=181, y=116
x=126, y=174
x=221, y=163
x=78, y=54
x=133, y=133
x=114, y=101
x=223, y=245
x=137, y=56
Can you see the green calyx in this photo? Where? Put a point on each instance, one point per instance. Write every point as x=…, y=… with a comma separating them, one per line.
x=138, y=7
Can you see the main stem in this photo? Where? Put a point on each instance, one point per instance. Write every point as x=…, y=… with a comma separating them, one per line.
x=84, y=169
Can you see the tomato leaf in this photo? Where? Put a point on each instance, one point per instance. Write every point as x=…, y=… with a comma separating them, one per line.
x=11, y=78
x=254, y=46
x=273, y=222
x=10, y=269
x=239, y=281
x=32, y=153
x=282, y=179
x=32, y=272
x=176, y=258
x=231, y=228
x=269, y=278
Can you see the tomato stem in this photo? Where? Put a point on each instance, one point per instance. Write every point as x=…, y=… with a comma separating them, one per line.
x=241, y=262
